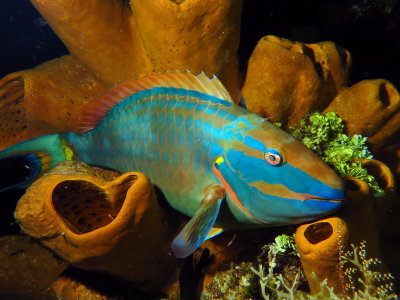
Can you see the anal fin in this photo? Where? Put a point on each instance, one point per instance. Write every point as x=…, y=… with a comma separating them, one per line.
x=200, y=226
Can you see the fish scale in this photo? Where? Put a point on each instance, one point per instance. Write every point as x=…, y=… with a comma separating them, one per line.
x=152, y=128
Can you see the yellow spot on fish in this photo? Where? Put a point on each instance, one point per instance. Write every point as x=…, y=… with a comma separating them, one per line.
x=220, y=160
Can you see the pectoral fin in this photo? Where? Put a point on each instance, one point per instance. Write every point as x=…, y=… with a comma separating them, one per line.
x=200, y=226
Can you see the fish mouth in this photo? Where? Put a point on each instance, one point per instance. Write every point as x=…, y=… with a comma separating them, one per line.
x=324, y=205
x=326, y=199
x=331, y=195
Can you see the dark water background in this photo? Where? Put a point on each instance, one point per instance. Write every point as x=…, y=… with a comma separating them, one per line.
x=369, y=29
x=26, y=39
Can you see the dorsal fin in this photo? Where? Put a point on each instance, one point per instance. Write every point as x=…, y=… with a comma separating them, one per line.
x=95, y=110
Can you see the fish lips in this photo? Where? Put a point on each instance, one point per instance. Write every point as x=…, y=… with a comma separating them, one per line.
x=302, y=211
x=330, y=201
x=322, y=205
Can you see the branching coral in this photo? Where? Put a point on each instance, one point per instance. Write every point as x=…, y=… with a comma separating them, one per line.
x=275, y=281
x=325, y=135
x=359, y=272
x=289, y=288
x=367, y=284
x=277, y=277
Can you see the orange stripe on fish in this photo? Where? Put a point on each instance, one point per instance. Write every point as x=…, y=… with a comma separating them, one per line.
x=231, y=192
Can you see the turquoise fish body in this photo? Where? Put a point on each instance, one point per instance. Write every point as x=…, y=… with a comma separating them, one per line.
x=171, y=135
x=201, y=150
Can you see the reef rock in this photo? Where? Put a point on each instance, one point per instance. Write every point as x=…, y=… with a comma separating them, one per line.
x=27, y=269
x=69, y=289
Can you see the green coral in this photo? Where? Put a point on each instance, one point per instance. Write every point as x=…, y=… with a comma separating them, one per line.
x=316, y=130
x=284, y=243
x=324, y=134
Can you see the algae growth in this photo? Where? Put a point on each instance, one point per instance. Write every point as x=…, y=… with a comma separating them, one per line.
x=325, y=135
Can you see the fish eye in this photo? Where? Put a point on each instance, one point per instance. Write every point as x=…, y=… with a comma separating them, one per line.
x=274, y=157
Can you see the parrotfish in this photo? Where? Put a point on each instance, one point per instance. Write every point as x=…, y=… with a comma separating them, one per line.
x=216, y=162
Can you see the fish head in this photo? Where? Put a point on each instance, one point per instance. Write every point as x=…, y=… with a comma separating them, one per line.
x=272, y=178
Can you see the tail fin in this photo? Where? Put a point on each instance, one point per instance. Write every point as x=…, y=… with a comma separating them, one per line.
x=23, y=163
